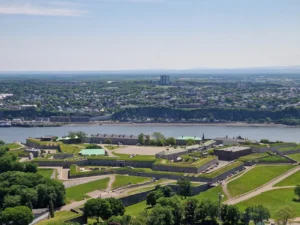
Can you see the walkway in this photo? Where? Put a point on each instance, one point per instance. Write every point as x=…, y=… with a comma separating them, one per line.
x=266, y=187
x=78, y=181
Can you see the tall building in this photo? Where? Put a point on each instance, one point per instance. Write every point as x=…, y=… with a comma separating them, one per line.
x=164, y=80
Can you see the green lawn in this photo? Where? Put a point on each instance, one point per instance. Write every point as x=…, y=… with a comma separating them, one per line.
x=77, y=193
x=253, y=157
x=12, y=146
x=59, y=218
x=295, y=157
x=45, y=172
x=273, y=158
x=255, y=178
x=71, y=148
x=273, y=200
x=292, y=180
x=211, y=194
x=111, y=147
x=125, y=180
x=135, y=209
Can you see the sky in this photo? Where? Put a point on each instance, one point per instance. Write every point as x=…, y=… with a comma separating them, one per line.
x=81, y=35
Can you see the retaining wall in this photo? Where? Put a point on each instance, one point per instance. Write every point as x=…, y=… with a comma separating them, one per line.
x=33, y=144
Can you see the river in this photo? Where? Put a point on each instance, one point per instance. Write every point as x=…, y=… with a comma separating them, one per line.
x=253, y=133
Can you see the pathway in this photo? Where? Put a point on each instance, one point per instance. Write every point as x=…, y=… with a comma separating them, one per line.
x=266, y=187
x=78, y=181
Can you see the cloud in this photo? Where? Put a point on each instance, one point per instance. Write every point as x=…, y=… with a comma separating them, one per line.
x=38, y=10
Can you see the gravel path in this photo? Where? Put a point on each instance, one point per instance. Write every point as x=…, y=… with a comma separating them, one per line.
x=266, y=187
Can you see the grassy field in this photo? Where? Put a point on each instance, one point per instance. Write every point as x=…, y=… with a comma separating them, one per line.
x=12, y=146
x=59, y=218
x=77, y=193
x=292, y=180
x=255, y=178
x=253, y=157
x=45, y=172
x=211, y=194
x=71, y=148
x=273, y=158
x=125, y=180
x=135, y=209
x=198, y=163
x=295, y=157
x=111, y=147
x=273, y=200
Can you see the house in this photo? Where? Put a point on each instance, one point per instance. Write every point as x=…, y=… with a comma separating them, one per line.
x=171, y=154
x=114, y=138
x=232, y=141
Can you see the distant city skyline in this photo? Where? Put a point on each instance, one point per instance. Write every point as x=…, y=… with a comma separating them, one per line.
x=92, y=35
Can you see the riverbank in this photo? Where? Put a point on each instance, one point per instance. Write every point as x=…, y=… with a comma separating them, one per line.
x=237, y=124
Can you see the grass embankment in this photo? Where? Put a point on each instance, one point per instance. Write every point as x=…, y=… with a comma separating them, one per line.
x=12, y=146
x=125, y=180
x=295, y=157
x=273, y=159
x=253, y=157
x=111, y=147
x=47, y=173
x=211, y=194
x=222, y=170
x=72, y=149
x=198, y=163
x=60, y=218
x=273, y=200
x=135, y=209
x=77, y=193
x=292, y=180
x=255, y=178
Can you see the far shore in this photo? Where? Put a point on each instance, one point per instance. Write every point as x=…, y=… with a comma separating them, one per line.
x=231, y=124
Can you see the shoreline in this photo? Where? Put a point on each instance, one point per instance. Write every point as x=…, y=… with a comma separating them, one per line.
x=237, y=124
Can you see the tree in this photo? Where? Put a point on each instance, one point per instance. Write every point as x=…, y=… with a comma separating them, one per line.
x=176, y=206
x=167, y=191
x=20, y=215
x=120, y=220
x=185, y=188
x=158, y=135
x=160, y=142
x=31, y=167
x=230, y=215
x=171, y=141
x=93, y=147
x=141, y=139
x=11, y=201
x=81, y=135
x=264, y=141
x=284, y=214
x=297, y=191
x=97, y=208
x=161, y=216
x=72, y=134
x=2, y=142
x=190, y=210
x=153, y=196
x=108, y=141
x=190, y=142
x=258, y=213
x=207, y=209
x=51, y=209
x=117, y=206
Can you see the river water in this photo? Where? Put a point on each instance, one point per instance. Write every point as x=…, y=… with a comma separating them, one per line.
x=253, y=133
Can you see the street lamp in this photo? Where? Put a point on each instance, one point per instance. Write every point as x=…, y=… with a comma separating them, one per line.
x=220, y=200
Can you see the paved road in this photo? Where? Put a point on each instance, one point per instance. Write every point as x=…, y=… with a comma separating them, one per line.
x=268, y=186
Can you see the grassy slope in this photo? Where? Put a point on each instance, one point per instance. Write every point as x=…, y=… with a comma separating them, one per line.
x=12, y=146
x=255, y=178
x=78, y=192
x=124, y=180
x=211, y=194
x=273, y=200
x=73, y=149
x=59, y=218
x=135, y=209
x=295, y=157
x=292, y=180
x=45, y=172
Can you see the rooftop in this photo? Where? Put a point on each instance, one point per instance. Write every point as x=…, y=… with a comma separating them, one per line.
x=97, y=151
x=172, y=151
x=233, y=149
x=189, y=137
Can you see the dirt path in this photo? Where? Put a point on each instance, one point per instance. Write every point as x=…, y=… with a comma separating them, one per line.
x=266, y=187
